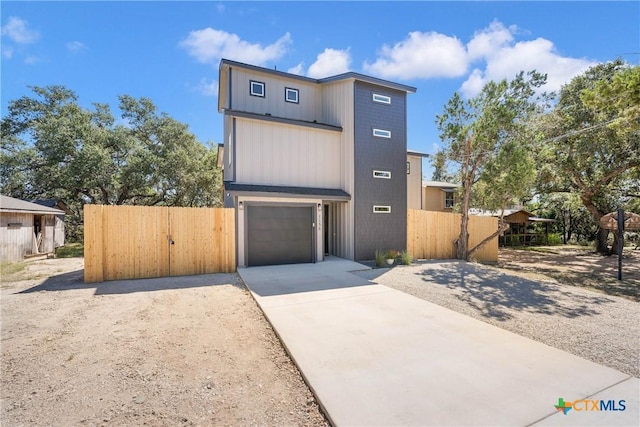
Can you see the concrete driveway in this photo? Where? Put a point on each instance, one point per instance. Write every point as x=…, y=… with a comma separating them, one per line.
x=377, y=356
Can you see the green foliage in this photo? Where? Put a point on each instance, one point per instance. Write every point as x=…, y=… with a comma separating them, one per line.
x=405, y=258
x=440, y=173
x=572, y=220
x=486, y=137
x=618, y=97
x=54, y=148
x=70, y=250
x=588, y=152
x=391, y=254
x=381, y=257
x=554, y=239
x=11, y=268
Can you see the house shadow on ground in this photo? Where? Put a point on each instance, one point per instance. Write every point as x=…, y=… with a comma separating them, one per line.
x=74, y=280
x=494, y=294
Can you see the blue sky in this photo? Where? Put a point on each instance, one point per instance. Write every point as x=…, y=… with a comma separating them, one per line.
x=169, y=51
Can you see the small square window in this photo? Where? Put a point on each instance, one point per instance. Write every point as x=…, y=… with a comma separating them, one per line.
x=382, y=209
x=291, y=95
x=382, y=99
x=382, y=174
x=256, y=88
x=381, y=133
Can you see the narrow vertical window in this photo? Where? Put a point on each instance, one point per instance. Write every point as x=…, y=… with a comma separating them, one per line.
x=256, y=88
x=408, y=168
x=291, y=95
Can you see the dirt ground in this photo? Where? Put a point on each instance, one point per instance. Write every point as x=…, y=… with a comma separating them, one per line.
x=179, y=351
x=577, y=266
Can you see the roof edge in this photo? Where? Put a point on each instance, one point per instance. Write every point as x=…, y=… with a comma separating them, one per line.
x=344, y=76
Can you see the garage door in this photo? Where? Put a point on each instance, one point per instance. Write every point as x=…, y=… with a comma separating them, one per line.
x=279, y=235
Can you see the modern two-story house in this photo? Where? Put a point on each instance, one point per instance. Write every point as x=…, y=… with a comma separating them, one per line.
x=313, y=166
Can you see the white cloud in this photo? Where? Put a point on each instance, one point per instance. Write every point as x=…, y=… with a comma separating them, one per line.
x=298, y=69
x=489, y=40
x=421, y=55
x=330, y=63
x=492, y=53
x=539, y=54
x=76, y=46
x=208, y=88
x=209, y=46
x=18, y=31
x=7, y=52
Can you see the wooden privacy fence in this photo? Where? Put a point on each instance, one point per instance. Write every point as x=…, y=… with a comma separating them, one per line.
x=133, y=242
x=431, y=235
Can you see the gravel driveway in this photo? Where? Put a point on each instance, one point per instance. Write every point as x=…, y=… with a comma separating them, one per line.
x=604, y=329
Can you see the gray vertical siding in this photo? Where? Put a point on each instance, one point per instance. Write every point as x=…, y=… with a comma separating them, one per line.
x=377, y=230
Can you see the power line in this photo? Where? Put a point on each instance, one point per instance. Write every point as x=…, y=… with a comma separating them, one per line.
x=578, y=132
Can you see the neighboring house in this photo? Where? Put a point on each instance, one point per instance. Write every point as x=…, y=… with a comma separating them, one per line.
x=438, y=196
x=26, y=229
x=524, y=227
x=414, y=179
x=59, y=225
x=313, y=166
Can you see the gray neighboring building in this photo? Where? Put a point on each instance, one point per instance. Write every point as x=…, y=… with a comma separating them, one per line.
x=313, y=166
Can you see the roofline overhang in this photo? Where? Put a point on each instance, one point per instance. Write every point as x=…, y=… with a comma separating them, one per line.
x=417, y=153
x=228, y=63
x=282, y=120
x=35, y=212
x=259, y=190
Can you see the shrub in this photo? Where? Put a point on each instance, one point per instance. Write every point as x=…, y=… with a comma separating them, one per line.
x=405, y=258
x=380, y=258
x=554, y=239
x=391, y=254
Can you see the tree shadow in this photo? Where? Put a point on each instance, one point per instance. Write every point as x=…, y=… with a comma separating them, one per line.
x=494, y=294
x=586, y=269
x=74, y=281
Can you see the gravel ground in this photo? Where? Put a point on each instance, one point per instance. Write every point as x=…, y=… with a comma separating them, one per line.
x=179, y=351
x=601, y=328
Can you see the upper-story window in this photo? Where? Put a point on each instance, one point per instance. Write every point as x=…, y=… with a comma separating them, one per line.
x=449, y=199
x=408, y=168
x=256, y=88
x=382, y=133
x=382, y=99
x=291, y=95
x=381, y=209
x=382, y=174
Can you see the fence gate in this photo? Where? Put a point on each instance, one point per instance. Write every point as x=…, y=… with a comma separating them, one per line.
x=133, y=242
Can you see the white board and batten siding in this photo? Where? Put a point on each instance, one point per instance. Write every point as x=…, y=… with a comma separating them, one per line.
x=16, y=236
x=273, y=102
x=337, y=108
x=276, y=154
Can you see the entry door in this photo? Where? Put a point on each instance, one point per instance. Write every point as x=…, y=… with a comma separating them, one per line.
x=279, y=235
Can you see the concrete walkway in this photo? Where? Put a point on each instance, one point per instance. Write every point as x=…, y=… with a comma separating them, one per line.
x=376, y=356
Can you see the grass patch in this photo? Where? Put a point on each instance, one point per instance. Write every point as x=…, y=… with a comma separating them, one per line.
x=70, y=250
x=12, y=268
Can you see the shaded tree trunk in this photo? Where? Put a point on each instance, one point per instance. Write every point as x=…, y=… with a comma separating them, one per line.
x=601, y=242
x=601, y=236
